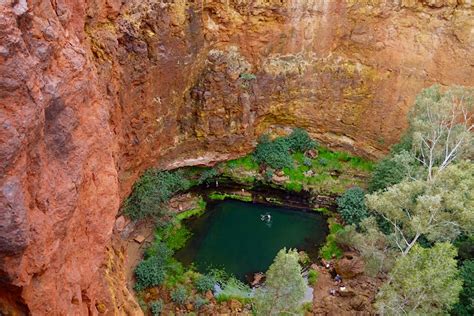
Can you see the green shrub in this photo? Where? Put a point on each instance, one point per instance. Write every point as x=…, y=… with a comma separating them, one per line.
x=179, y=295
x=313, y=277
x=160, y=250
x=307, y=162
x=143, y=305
x=234, y=289
x=299, y=141
x=150, y=272
x=388, y=172
x=247, y=76
x=330, y=249
x=207, y=176
x=293, y=186
x=156, y=307
x=405, y=144
x=247, y=162
x=275, y=154
x=153, y=189
x=465, y=306
x=323, y=162
x=351, y=206
x=200, y=302
x=176, y=237
x=204, y=283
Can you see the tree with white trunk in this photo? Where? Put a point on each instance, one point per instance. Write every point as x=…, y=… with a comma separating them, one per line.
x=437, y=203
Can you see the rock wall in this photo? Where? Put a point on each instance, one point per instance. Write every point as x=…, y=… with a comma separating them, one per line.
x=93, y=92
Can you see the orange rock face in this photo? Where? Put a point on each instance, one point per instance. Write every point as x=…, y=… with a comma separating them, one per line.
x=94, y=92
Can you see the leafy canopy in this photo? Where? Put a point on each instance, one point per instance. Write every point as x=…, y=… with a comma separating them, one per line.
x=204, y=283
x=284, y=287
x=439, y=209
x=465, y=307
x=300, y=141
x=351, y=206
x=152, y=190
x=275, y=154
x=392, y=170
x=373, y=245
x=152, y=271
x=425, y=282
x=441, y=125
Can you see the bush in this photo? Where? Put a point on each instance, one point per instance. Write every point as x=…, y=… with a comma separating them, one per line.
x=153, y=269
x=275, y=154
x=153, y=189
x=179, y=295
x=204, y=283
x=150, y=272
x=207, y=176
x=199, y=302
x=423, y=282
x=160, y=250
x=313, y=277
x=248, y=76
x=330, y=249
x=284, y=287
x=351, y=206
x=234, y=289
x=465, y=306
x=299, y=141
x=307, y=162
x=323, y=162
x=391, y=171
x=156, y=307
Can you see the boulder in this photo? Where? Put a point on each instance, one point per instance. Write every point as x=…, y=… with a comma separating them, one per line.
x=312, y=153
x=279, y=179
x=139, y=239
x=349, y=266
x=235, y=306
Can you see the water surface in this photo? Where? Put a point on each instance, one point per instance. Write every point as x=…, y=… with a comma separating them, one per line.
x=233, y=236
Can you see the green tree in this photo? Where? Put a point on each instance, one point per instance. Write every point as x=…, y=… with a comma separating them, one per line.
x=425, y=282
x=275, y=154
x=439, y=209
x=441, y=125
x=351, y=206
x=150, y=272
x=392, y=170
x=374, y=246
x=153, y=189
x=300, y=141
x=465, y=307
x=284, y=287
x=156, y=307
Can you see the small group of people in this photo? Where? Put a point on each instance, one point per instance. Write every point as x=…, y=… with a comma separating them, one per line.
x=328, y=264
x=337, y=281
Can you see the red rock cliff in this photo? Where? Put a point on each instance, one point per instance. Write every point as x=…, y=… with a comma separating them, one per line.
x=93, y=92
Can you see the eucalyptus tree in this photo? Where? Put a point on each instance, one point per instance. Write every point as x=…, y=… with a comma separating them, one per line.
x=284, y=287
x=441, y=126
x=425, y=282
x=439, y=209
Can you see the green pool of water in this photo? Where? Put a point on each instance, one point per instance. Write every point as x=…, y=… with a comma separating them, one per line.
x=232, y=235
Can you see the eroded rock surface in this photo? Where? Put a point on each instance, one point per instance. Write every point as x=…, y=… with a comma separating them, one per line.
x=94, y=92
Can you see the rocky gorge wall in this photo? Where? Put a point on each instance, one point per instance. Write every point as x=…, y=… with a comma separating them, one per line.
x=94, y=92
